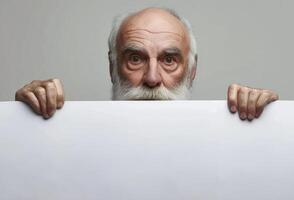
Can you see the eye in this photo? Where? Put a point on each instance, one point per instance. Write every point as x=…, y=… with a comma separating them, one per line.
x=135, y=59
x=168, y=60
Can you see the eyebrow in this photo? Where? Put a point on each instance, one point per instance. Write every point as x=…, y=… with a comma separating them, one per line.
x=133, y=48
x=172, y=51
x=130, y=48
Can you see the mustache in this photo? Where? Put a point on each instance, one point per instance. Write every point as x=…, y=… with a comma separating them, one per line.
x=146, y=93
x=125, y=91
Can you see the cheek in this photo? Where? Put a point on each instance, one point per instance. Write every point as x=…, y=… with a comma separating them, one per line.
x=133, y=77
x=172, y=79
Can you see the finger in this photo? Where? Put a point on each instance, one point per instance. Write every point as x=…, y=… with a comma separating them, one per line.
x=252, y=101
x=34, y=84
x=60, y=93
x=262, y=101
x=30, y=99
x=18, y=95
x=51, y=95
x=232, y=97
x=243, y=94
x=40, y=93
x=274, y=97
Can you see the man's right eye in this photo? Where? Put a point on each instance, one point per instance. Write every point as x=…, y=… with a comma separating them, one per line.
x=135, y=59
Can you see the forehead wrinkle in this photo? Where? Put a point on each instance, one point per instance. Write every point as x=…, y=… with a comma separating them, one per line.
x=152, y=32
x=143, y=36
x=132, y=43
x=143, y=39
x=133, y=36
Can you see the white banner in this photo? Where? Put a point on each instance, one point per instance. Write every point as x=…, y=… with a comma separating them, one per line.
x=146, y=150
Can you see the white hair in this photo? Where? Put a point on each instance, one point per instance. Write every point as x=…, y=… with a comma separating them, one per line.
x=124, y=91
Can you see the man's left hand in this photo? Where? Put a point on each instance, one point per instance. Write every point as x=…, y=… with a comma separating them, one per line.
x=249, y=102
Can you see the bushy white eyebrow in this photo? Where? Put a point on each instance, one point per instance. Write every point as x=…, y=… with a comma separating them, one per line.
x=133, y=48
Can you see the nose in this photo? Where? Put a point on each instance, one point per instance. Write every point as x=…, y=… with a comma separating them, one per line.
x=152, y=77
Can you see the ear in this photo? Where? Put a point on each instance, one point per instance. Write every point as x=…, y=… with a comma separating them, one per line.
x=110, y=65
x=193, y=73
x=193, y=70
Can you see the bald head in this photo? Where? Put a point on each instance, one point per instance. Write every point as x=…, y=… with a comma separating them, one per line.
x=155, y=20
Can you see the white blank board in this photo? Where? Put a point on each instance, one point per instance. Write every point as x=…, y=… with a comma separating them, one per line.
x=146, y=150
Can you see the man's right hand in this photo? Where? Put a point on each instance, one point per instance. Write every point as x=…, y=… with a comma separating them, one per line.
x=44, y=97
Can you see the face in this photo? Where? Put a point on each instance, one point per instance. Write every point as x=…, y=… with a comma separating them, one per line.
x=153, y=49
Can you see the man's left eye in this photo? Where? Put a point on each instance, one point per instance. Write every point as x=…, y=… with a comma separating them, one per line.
x=168, y=60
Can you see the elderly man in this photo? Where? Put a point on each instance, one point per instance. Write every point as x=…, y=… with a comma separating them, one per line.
x=152, y=56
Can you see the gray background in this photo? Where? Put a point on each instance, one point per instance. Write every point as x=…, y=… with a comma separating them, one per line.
x=249, y=42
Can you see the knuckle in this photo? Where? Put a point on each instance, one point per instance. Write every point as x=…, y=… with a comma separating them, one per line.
x=244, y=89
x=234, y=85
x=35, y=82
x=40, y=89
x=231, y=89
x=253, y=93
x=251, y=102
x=55, y=80
x=27, y=85
x=26, y=95
x=49, y=84
x=46, y=83
x=24, y=90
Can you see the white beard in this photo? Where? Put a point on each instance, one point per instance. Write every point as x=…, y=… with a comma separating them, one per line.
x=122, y=90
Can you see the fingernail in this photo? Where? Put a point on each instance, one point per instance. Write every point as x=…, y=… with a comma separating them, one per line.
x=250, y=116
x=242, y=115
x=51, y=113
x=233, y=109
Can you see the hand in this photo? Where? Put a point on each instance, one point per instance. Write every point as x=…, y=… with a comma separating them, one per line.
x=249, y=102
x=44, y=97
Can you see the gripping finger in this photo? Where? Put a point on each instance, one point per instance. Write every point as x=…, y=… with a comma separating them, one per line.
x=40, y=93
x=51, y=95
x=232, y=97
x=60, y=93
x=262, y=101
x=252, y=101
x=30, y=99
x=243, y=94
x=273, y=97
